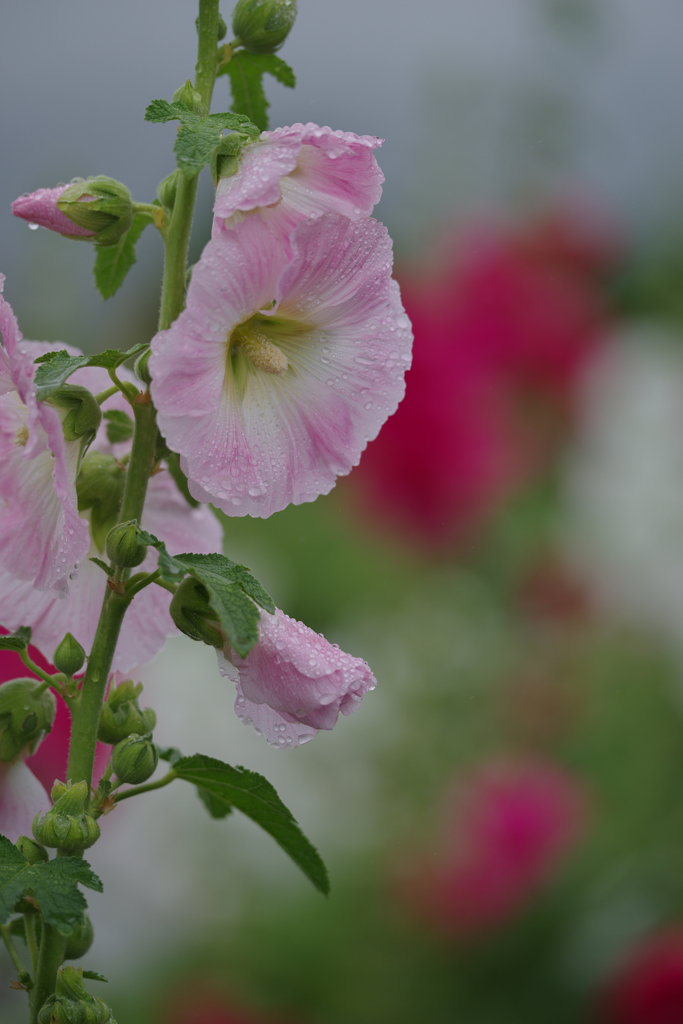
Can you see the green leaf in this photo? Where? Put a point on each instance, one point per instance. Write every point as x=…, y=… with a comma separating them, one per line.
x=170, y=754
x=112, y=262
x=231, y=587
x=120, y=426
x=94, y=976
x=53, y=884
x=56, y=367
x=217, y=808
x=246, y=71
x=199, y=136
x=17, y=641
x=254, y=796
x=102, y=565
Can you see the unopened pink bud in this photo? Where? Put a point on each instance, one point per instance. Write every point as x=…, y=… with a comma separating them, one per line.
x=41, y=208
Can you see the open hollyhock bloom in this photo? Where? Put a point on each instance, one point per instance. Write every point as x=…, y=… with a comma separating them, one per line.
x=279, y=371
x=293, y=682
x=41, y=534
x=298, y=173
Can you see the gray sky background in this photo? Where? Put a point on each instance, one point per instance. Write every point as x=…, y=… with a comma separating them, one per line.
x=483, y=104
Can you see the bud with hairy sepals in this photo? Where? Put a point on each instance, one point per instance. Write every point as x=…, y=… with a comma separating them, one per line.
x=193, y=615
x=101, y=205
x=134, y=759
x=25, y=716
x=67, y=826
x=99, y=487
x=261, y=26
x=189, y=97
x=124, y=547
x=80, y=941
x=33, y=852
x=69, y=656
x=79, y=412
x=122, y=715
x=72, y=1004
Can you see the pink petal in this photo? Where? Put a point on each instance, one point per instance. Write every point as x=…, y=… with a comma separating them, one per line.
x=41, y=208
x=22, y=796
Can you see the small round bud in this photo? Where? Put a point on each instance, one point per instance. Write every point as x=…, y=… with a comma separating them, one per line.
x=67, y=826
x=167, y=190
x=134, y=759
x=80, y=941
x=79, y=412
x=33, y=851
x=222, y=28
x=123, y=546
x=193, y=615
x=72, y=1004
x=188, y=95
x=99, y=487
x=261, y=26
x=24, y=716
x=142, y=368
x=69, y=657
x=122, y=715
x=101, y=205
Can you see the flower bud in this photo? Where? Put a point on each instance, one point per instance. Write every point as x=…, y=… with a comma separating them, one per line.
x=121, y=714
x=134, y=759
x=123, y=545
x=167, y=190
x=99, y=487
x=79, y=412
x=188, y=95
x=33, y=851
x=67, y=825
x=80, y=941
x=24, y=717
x=71, y=1004
x=261, y=26
x=58, y=790
x=193, y=615
x=222, y=28
x=69, y=656
x=141, y=367
x=40, y=209
x=101, y=205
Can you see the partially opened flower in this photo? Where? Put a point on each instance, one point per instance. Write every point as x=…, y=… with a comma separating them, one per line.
x=41, y=534
x=298, y=173
x=278, y=372
x=41, y=208
x=293, y=682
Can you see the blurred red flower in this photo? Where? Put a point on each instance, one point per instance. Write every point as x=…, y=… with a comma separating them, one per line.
x=502, y=331
x=649, y=987
x=509, y=826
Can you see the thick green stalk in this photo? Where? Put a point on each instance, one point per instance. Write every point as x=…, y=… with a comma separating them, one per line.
x=87, y=708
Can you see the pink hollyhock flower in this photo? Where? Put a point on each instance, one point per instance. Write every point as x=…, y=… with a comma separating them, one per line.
x=41, y=208
x=22, y=796
x=649, y=987
x=41, y=534
x=514, y=821
x=503, y=330
x=277, y=374
x=294, y=682
x=148, y=624
x=298, y=173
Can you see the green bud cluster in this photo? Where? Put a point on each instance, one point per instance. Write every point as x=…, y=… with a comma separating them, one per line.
x=99, y=204
x=193, y=615
x=122, y=716
x=79, y=412
x=69, y=657
x=67, y=825
x=99, y=487
x=71, y=1004
x=25, y=716
x=124, y=547
x=261, y=26
x=134, y=759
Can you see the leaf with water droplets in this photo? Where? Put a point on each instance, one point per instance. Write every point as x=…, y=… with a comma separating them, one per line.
x=199, y=136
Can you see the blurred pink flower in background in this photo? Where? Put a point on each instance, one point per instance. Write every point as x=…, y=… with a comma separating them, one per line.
x=502, y=331
x=198, y=1006
x=510, y=826
x=649, y=987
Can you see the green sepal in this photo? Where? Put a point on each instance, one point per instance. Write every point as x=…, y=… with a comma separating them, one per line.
x=122, y=715
x=254, y=796
x=263, y=25
x=134, y=759
x=112, y=262
x=53, y=885
x=24, y=717
x=199, y=135
x=56, y=367
x=120, y=427
x=79, y=412
x=94, y=976
x=17, y=641
x=99, y=487
x=246, y=71
x=233, y=591
x=103, y=565
x=67, y=825
x=72, y=1004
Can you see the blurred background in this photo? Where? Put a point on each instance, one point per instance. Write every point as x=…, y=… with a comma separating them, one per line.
x=503, y=819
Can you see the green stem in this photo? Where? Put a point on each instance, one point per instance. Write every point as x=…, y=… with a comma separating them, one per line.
x=11, y=948
x=146, y=787
x=50, y=958
x=47, y=679
x=31, y=941
x=102, y=396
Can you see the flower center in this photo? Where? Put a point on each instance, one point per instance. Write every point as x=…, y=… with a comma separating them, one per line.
x=21, y=436
x=259, y=350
